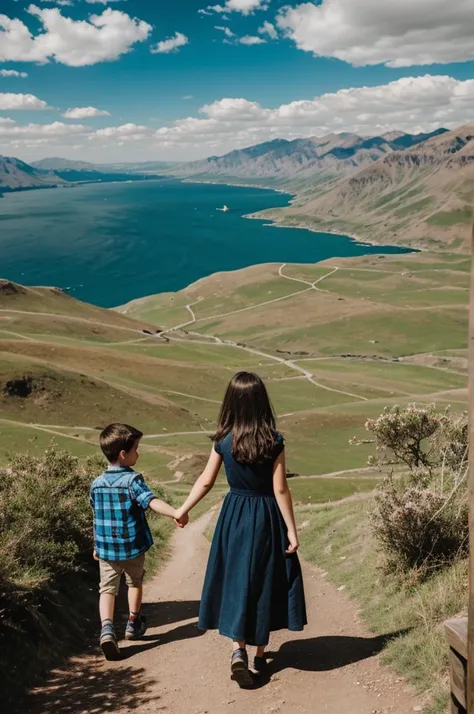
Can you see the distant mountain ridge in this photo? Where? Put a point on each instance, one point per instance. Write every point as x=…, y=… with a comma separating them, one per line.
x=318, y=158
x=17, y=175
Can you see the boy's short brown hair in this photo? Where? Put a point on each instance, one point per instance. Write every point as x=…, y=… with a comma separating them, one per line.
x=116, y=438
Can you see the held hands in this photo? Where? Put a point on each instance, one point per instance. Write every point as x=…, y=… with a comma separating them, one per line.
x=181, y=519
x=294, y=543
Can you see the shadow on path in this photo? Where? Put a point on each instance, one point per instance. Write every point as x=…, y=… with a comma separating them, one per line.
x=87, y=688
x=323, y=654
x=164, y=613
x=149, y=642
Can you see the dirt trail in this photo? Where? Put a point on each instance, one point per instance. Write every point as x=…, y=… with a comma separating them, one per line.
x=332, y=667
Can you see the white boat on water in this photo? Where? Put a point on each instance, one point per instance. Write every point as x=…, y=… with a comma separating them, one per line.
x=224, y=208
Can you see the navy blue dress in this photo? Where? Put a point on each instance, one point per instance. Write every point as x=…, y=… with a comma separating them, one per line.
x=252, y=587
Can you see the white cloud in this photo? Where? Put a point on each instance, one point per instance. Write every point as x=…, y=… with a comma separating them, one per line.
x=411, y=104
x=251, y=40
x=268, y=29
x=188, y=96
x=20, y=101
x=12, y=73
x=125, y=131
x=6, y=120
x=62, y=3
x=226, y=30
x=74, y=43
x=397, y=33
x=232, y=38
x=102, y=2
x=85, y=113
x=40, y=131
x=172, y=44
x=246, y=7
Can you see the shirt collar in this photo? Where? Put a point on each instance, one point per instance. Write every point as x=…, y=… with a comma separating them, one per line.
x=115, y=469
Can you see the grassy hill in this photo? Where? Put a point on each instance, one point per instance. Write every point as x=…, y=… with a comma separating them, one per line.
x=336, y=342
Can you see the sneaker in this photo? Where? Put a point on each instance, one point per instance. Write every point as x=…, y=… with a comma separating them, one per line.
x=108, y=643
x=136, y=629
x=240, y=672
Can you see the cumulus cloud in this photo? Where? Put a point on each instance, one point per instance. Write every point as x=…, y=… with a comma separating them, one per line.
x=172, y=44
x=62, y=3
x=268, y=29
x=12, y=101
x=397, y=33
x=130, y=132
x=411, y=104
x=40, y=131
x=85, y=113
x=74, y=43
x=251, y=40
x=12, y=73
x=246, y=7
x=233, y=39
x=226, y=30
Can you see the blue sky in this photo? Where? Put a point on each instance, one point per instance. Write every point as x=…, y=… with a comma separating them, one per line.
x=171, y=85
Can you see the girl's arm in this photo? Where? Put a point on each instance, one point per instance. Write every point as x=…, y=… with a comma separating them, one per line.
x=285, y=502
x=203, y=485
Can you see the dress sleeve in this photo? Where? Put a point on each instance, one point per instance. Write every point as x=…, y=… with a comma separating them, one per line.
x=279, y=445
x=141, y=492
x=218, y=448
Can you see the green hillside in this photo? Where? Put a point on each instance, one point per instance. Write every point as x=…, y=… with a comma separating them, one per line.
x=336, y=342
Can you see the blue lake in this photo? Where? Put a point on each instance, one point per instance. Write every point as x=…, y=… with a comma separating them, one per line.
x=110, y=243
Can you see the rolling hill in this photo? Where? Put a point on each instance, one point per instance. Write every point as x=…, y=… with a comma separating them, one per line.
x=336, y=342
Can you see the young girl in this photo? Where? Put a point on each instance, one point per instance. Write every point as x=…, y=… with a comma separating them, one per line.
x=253, y=582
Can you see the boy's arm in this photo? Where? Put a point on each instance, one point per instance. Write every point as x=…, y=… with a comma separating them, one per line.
x=145, y=498
x=203, y=485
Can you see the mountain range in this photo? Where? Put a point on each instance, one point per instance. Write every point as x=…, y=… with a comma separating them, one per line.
x=421, y=196
x=304, y=161
x=17, y=175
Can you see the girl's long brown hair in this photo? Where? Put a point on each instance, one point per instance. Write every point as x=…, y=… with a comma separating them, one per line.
x=247, y=413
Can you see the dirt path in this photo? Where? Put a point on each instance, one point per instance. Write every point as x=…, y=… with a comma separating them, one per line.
x=332, y=667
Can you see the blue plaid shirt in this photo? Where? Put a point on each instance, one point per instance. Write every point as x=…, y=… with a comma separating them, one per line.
x=119, y=498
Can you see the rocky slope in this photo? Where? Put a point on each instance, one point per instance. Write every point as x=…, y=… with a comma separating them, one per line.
x=307, y=161
x=420, y=196
x=16, y=174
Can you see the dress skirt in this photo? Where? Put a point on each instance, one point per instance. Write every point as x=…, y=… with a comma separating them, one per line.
x=252, y=587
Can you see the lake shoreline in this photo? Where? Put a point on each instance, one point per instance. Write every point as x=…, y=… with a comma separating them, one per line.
x=96, y=241
x=275, y=223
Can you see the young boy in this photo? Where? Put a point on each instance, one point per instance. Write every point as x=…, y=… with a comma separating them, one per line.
x=119, y=498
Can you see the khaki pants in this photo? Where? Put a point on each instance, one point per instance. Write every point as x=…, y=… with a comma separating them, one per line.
x=111, y=572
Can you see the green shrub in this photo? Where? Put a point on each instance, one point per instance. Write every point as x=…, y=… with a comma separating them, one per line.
x=420, y=517
x=45, y=516
x=418, y=528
